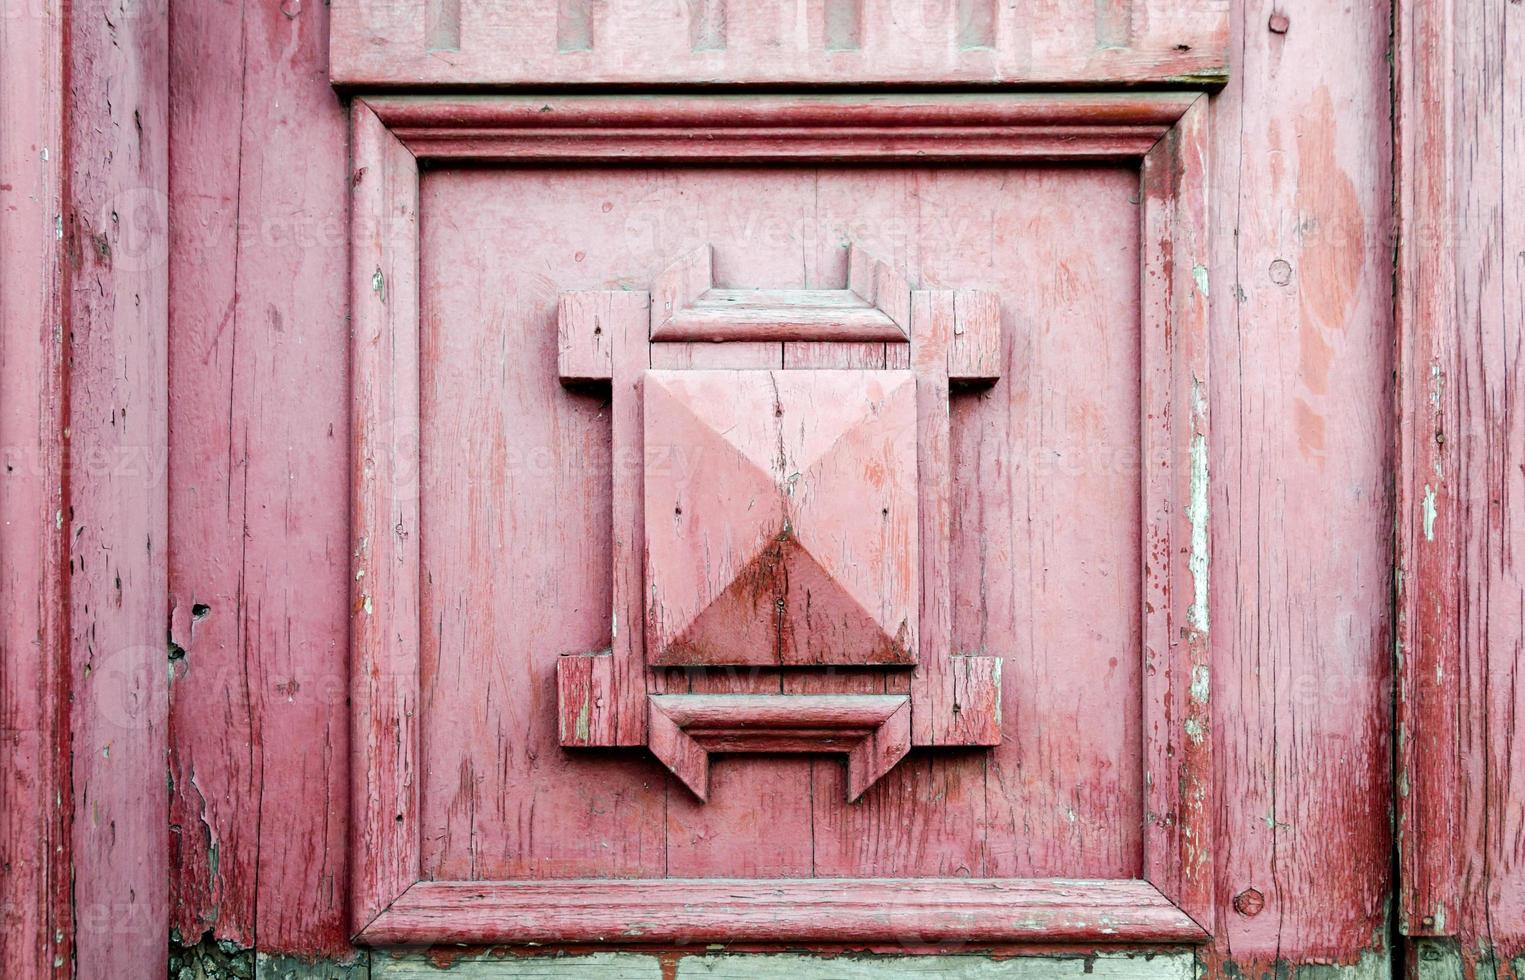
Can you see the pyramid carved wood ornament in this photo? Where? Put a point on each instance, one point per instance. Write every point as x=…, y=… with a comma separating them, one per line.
x=787, y=513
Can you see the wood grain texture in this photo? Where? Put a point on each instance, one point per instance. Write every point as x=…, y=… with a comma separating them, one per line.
x=36, y=913
x=522, y=571
x=386, y=488
x=964, y=127
x=1300, y=456
x=112, y=228
x=778, y=42
x=802, y=910
x=259, y=534
x=1461, y=582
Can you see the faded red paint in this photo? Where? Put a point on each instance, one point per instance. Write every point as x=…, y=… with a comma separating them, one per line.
x=260, y=553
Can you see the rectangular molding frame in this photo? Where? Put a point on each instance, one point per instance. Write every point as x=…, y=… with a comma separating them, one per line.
x=1165, y=134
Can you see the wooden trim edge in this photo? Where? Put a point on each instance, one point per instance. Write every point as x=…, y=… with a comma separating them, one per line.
x=914, y=911
x=753, y=128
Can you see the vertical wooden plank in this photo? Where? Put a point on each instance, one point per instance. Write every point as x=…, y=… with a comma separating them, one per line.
x=1301, y=529
x=113, y=228
x=1461, y=583
x=1429, y=550
x=259, y=484
x=36, y=922
x=385, y=490
x=1174, y=545
x=931, y=684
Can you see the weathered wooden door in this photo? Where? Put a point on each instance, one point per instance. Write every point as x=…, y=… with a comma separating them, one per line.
x=778, y=518
x=694, y=488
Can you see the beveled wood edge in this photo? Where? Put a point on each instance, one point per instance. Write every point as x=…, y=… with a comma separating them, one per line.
x=383, y=493
x=1175, y=495
x=974, y=127
x=371, y=926
x=872, y=730
x=915, y=911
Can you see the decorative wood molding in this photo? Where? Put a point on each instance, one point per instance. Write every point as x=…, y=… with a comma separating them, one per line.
x=874, y=731
x=604, y=695
x=913, y=911
x=388, y=43
x=739, y=129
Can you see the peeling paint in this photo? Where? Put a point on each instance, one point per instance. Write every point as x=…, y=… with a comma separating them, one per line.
x=1196, y=513
x=1201, y=684
x=1199, y=273
x=1429, y=512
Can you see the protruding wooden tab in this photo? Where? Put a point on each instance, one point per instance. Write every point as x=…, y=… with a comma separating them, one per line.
x=976, y=684
x=975, y=355
x=873, y=730
x=584, y=343
x=584, y=690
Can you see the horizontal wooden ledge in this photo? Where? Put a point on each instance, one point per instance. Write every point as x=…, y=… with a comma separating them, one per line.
x=881, y=910
x=780, y=314
x=740, y=128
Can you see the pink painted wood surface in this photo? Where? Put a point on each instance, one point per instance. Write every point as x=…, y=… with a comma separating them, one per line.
x=387, y=485
x=111, y=229
x=519, y=575
x=874, y=731
x=771, y=41
x=37, y=923
x=799, y=910
x=1461, y=584
x=1178, y=791
x=927, y=816
x=1299, y=635
x=781, y=518
x=918, y=129
x=1301, y=471
x=259, y=539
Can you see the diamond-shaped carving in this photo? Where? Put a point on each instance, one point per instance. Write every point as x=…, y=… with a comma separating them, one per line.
x=781, y=517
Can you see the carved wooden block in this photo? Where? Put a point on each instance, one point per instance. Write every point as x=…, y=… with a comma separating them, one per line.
x=873, y=731
x=781, y=517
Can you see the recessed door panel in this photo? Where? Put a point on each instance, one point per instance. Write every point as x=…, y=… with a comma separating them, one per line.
x=1044, y=545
